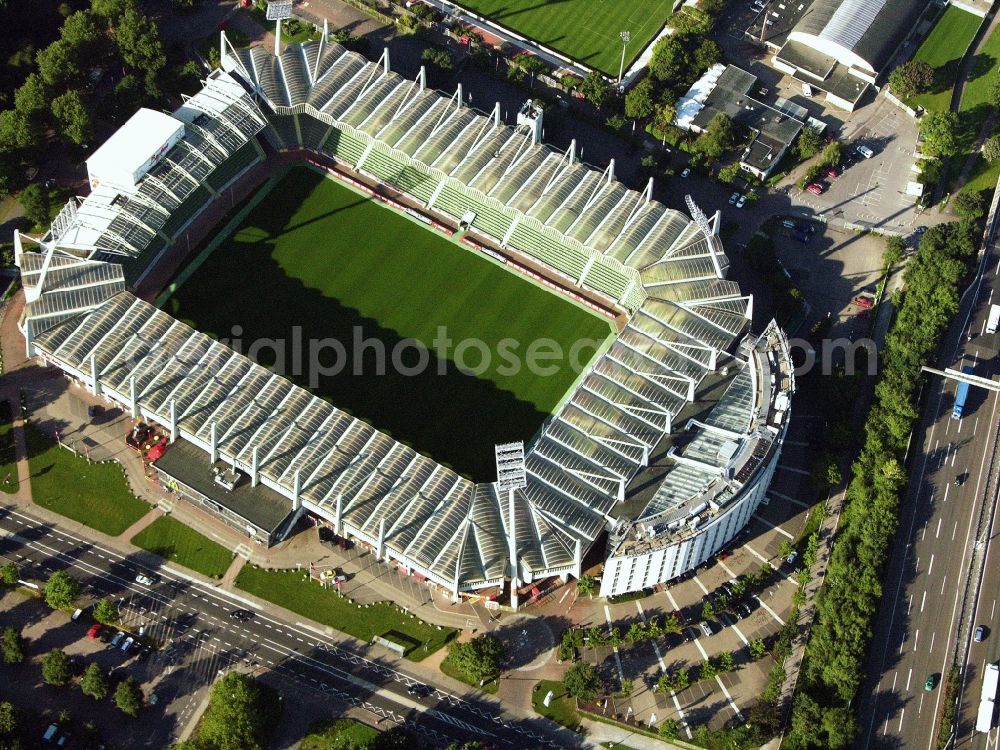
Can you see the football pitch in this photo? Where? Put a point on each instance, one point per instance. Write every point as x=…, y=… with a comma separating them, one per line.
x=316, y=263
x=585, y=30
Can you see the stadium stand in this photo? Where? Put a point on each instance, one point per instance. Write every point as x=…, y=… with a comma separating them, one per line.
x=687, y=332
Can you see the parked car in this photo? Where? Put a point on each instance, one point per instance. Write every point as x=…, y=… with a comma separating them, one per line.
x=339, y=579
x=733, y=198
x=815, y=188
x=127, y=644
x=865, y=302
x=864, y=151
x=741, y=202
x=931, y=682
x=793, y=557
x=116, y=641
x=147, y=579
x=95, y=630
x=980, y=635
x=705, y=628
x=686, y=172
x=920, y=230
x=800, y=237
x=743, y=610
x=832, y=173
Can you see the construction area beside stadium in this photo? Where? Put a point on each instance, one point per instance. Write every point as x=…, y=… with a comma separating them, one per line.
x=654, y=457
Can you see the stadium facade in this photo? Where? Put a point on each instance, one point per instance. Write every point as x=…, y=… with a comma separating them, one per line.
x=663, y=449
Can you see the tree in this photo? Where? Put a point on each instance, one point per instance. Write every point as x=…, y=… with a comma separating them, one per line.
x=8, y=718
x=669, y=729
x=240, y=714
x=718, y=137
x=911, y=78
x=705, y=55
x=111, y=10
x=991, y=148
x=32, y=96
x=480, y=659
x=93, y=682
x=140, y=47
x=73, y=118
x=707, y=610
x=56, y=667
x=808, y=144
x=707, y=670
x=581, y=681
x=595, y=89
x=58, y=65
x=639, y=101
x=894, y=247
x=969, y=204
x=729, y=173
x=831, y=155
x=128, y=697
x=10, y=644
x=105, y=611
x=9, y=574
x=19, y=130
x=439, y=57
x=586, y=585
x=785, y=548
x=757, y=648
x=35, y=202
x=727, y=662
x=669, y=61
x=397, y=738
x=85, y=35
x=61, y=589
x=689, y=20
x=939, y=131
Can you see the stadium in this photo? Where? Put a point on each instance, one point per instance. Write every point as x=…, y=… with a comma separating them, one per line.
x=653, y=459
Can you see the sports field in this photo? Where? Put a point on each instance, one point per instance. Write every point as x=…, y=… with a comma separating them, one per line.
x=585, y=30
x=317, y=255
x=943, y=50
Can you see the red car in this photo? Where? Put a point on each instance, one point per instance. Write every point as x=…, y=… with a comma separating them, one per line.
x=832, y=173
x=865, y=302
x=815, y=188
x=95, y=631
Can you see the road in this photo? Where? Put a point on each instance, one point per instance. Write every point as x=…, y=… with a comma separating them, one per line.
x=917, y=625
x=186, y=614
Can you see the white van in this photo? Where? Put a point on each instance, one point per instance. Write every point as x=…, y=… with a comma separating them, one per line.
x=865, y=151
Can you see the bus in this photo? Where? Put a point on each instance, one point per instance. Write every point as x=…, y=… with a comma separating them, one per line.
x=960, y=395
x=987, y=708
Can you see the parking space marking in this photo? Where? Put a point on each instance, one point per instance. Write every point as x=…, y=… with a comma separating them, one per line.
x=725, y=692
x=618, y=658
x=656, y=647
x=755, y=553
x=790, y=499
x=776, y=528
x=700, y=585
x=770, y=611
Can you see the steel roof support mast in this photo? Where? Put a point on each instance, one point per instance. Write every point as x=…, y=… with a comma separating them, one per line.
x=626, y=36
x=511, y=477
x=276, y=11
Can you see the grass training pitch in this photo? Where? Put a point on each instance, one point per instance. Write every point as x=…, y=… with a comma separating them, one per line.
x=317, y=255
x=942, y=50
x=585, y=30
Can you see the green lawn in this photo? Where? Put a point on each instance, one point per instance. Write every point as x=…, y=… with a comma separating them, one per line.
x=8, y=466
x=177, y=542
x=96, y=495
x=974, y=109
x=292, y=590
x=348, y=270
x=585, y=30
x=338, y=734
x=562, y=707
x=942, y=50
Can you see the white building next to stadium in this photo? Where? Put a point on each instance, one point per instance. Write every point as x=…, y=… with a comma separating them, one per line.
x=659, y=455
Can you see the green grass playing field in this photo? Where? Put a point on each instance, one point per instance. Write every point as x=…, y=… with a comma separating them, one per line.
x=942, y=50
x=585, y=30
x=316, y=254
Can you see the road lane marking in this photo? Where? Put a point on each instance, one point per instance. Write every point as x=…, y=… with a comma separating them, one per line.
x=930, y=565
x=938, y=532
x=916, y=637
x=909, y=604
x=942, y=585
x=901, y=720
x=923, y=600
x=931, y=649
x=954, y=531
x=909, y=676
x=789, y=498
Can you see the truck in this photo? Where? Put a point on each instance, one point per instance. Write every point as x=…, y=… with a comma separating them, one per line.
x=987, y=707
x=960, y=395
x=994, y=319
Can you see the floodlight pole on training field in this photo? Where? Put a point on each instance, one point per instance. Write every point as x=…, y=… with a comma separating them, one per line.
x=276, y=11
x=625, y=36
x=511, y=476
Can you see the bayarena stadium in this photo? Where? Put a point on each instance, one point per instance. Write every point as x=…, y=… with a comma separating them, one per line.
x=653, y=461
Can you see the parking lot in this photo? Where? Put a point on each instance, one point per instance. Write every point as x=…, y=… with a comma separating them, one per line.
x=714, y=701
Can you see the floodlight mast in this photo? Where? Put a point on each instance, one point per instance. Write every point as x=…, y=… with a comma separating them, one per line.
x=276, y=11
x=511, y=476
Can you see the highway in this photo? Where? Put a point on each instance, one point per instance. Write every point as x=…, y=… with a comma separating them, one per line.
x=916, y=630
x=185, y=615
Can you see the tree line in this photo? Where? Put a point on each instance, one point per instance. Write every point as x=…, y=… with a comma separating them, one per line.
x=836, y=655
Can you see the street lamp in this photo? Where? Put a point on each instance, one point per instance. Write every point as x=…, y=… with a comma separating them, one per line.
x=625, y=35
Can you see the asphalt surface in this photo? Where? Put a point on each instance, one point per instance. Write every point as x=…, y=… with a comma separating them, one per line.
x=916, y=630
x=185, y=615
